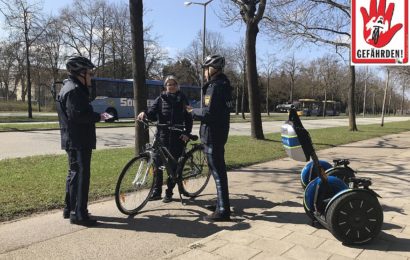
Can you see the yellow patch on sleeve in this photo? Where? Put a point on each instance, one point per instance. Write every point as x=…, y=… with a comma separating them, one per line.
x=207, y=100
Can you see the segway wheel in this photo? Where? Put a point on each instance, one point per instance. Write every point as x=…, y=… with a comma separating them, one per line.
x=356, y=217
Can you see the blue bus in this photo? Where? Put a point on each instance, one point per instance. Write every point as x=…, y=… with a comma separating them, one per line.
x=116, y=96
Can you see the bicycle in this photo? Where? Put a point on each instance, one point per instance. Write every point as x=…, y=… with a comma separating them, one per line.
x=135, y=184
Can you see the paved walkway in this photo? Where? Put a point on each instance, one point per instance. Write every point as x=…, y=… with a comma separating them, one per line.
x=269, y=222
x=283, y=232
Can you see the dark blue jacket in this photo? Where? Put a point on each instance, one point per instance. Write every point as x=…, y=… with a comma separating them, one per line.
x=170, y=109
x=76, y=116
x=215, y=112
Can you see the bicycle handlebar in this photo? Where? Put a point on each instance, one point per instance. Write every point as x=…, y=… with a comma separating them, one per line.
x=174, y=127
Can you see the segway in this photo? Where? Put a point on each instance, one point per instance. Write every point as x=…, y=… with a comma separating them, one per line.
x=334, y=197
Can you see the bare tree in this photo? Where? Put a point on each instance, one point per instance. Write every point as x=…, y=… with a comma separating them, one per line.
x=268, y=66
x=251, y=13
x=80, y=24
x=385, y=95
x=138, y=69
x=318, y=22
x=291, y=68
x=25, y=18
x=214, y=45
x=239, y=60
x=8, y=54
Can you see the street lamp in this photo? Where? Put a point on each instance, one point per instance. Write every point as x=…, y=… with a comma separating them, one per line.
x=203, y=37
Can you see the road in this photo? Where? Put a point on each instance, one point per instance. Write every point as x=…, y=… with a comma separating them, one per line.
x=21, y=144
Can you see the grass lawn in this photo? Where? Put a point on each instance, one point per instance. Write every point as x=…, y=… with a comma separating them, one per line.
x=37, y=183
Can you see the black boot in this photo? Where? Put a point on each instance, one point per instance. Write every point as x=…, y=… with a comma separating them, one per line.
x=218, y=217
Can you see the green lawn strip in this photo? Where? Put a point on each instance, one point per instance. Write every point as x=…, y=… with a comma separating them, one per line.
x=37, y=183
x=54, y=126
x=25, y=119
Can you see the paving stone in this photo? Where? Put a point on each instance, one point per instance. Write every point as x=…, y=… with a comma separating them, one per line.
x=263, y=223
x=401, y=219
x=302, y=228
x=324, y=233
x=336, y=247
x=268, y=256
x=339, y=257
x=271, y=232
x=379, y=255
x=273, y=246
x=176, y=253
x=301, y=253
x=406, y=230
x=213, y=244
x=237, y=252
x=198, y=255
x=238, y=237
x=304, y=240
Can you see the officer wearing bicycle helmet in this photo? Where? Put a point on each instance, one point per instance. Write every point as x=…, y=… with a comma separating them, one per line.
x=214, y=130
x=77, y=127
x=169, y=108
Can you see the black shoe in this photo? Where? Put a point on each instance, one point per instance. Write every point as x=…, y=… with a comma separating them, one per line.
x=167, y=199
x=155, y=197
x=66, y=213
x=211, y=207
x=217, y=217
x=87, y=222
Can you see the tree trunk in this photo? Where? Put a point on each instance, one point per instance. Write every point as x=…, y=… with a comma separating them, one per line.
x=402, y=100
x=352, y=109
x=389, y=103
x=292, y=84
x=237, y=99
x=267, y=97
x=138, y=70
x=365, y=92
x=325, y=103
x=252, y=75
x=385, y=95
x=243, y=95
x=30, y=108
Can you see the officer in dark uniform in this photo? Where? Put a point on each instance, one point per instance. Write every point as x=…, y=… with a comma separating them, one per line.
x=214, y=117
x=77, y=126
x=169, y=108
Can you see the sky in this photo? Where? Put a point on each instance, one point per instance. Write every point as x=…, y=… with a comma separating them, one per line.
x=177, y=25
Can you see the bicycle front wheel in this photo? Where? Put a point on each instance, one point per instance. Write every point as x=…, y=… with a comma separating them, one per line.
x=195, y=172
x=135, y=185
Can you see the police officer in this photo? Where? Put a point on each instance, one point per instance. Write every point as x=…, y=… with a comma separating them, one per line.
x=214, y=117
x=169, y=108
x=77, y=126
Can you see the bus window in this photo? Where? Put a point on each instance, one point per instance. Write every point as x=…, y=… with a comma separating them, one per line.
x=107, y=89
x=154, y=91
x=126, y=89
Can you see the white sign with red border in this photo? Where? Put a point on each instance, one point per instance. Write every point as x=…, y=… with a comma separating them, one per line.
x=380, y=32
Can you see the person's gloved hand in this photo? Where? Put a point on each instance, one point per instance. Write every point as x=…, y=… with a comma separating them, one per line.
x=184, y=138
x=141, y=116
x=105, y=116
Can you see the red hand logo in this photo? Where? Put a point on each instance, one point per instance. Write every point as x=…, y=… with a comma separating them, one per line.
x=377, y=24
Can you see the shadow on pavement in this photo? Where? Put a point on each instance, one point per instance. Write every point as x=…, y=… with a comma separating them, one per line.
x=188, y=222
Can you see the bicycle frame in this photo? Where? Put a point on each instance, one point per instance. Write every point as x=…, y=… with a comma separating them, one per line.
x=156, y=147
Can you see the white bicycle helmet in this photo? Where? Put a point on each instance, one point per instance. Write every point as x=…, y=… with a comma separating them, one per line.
x=215, y=61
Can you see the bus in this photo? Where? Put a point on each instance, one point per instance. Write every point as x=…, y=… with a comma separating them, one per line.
x=313, y=107
x=116, y=96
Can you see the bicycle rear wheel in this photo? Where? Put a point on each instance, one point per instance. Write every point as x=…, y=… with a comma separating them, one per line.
x=135, y=185
x=195, y=172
